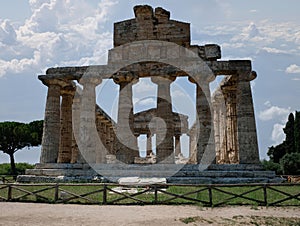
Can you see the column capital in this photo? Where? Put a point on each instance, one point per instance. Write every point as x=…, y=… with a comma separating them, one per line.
x=202, y=80
x=68, y=90
x=125, y=77
x=51, y=81
x=177, y=136
x=164, y=79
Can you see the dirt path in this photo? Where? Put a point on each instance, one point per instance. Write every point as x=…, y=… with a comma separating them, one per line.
x=59, y=214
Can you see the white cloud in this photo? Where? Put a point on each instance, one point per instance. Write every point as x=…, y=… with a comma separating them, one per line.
x=275, y=50
x=268, y=103
x=293, y=69
x=251, y=32
x=274, y=112
x=277, y=134
x=145, y=101
x=176, y=92
x=7, y=33
x=57, y=33
x=144, y=86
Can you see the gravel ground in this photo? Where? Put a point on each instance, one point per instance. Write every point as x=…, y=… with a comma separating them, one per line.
x=60, y=214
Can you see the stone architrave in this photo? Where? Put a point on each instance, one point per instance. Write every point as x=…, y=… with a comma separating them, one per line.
x=164, y=132
x=246, y=127
x=51, y=135
x=65, y=147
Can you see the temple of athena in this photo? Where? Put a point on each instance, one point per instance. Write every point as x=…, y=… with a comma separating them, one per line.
x=81, y=142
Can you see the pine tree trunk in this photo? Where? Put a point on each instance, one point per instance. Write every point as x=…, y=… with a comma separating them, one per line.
x=13, y=166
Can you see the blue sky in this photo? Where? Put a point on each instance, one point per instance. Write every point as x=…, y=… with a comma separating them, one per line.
x=38, y=34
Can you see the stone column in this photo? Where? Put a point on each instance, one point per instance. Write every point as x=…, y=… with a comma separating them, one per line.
x=189, y=146
x=76, y=154
x=107, y=136
x=51, y=135
x=205, y=144
x=232, y=152
x=177, y=145
x=149, y=144
x=75, y=151
x=89, y=137
x=216, y=107
x=112, y=139
x=65, y=147
x=246, y=127
x=223, y=137
x=165, y=132
x=125, y=142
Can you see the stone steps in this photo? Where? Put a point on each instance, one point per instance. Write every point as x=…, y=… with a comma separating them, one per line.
x=174, y=173
x=146, y=173
x=174, y=167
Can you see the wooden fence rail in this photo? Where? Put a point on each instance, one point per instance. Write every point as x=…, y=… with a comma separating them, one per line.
x=104, y=194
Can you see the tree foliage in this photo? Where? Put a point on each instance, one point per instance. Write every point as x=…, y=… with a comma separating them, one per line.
x=289, y=144
x=290, y=164
x=16, y=135
x=284, y=158
x=297, y=132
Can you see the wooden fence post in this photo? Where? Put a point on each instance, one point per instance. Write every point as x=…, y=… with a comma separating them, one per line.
x=56, y=193
x=265, y=195
x=9, y=193
x=155, y=194
x=210, y=196
x=104, y=201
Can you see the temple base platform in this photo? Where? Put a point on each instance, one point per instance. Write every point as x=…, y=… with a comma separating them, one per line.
x=174, y=173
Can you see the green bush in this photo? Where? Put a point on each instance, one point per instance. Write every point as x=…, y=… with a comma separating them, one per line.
x=290, y=164
x=272, y=166
x=21, y=167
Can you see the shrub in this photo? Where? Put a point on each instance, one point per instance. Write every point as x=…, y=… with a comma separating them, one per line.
x=5, y=168
x=290, y=164
x=269, y=165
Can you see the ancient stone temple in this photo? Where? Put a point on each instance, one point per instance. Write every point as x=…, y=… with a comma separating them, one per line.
x=82, y=142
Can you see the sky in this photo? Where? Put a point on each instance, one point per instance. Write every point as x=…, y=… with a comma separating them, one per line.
x=38, y=34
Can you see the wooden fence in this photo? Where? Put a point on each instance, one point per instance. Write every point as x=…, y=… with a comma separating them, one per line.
x=104, y=194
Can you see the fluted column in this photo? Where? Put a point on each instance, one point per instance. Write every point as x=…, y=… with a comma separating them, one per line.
x=205, y=144
x=51, y=135
x=216, y=107
x=149, y=144
x=65, y=147
x=223, y=135
x=125, y=142
x=177, y=145
x=246, y=127
x=89, y=137
x=111, y=140
x=107, y=136
x=232, y=152
x=76, y=154
x=165, y=133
